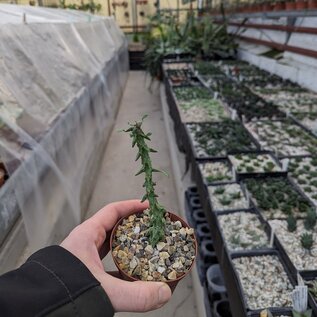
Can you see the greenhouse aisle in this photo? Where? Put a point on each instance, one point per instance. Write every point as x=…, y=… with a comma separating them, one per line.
x=116, y=179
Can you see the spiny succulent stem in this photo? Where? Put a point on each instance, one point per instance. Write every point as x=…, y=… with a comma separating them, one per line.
x=157, y=221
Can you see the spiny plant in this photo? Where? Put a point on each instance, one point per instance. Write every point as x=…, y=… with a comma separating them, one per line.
x=291, y=223
x=307, y=240
x=157, y=211
x=311, y=219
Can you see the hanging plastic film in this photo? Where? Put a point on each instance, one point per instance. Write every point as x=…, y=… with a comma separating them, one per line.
x=60, y=86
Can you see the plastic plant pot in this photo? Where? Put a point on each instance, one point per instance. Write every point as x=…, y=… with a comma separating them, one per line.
x=301, y=5
x=207, y=250
x=215, y=280
x=222, y=309
x=279, y=6
x=199, y=216
x=290, y=6
x=312, y=4
x=171, y=283
x=195, y=202
x=203, y=232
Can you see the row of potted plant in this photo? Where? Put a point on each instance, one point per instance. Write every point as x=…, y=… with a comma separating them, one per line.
x=268, y=6
x=261, y=271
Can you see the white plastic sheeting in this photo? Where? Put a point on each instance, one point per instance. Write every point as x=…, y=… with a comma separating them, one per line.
x=60, y=85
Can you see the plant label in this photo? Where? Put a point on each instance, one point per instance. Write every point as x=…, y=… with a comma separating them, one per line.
x=300, y=280
x=234, y=174
x=216, y=95
x=234, y=114
x=243, y=119
x=285, y=163
x=272, y=237
x=299, y=298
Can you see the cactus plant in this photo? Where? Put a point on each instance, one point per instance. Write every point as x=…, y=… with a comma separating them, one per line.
x=157, y=211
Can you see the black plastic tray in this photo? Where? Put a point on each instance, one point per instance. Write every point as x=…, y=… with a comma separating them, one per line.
x=289, y=263
x=213, y=210
x=291, y=184
x=266, y=226
x=241, y=176
x=200, y=179
x=234, y=287
x=190, y=149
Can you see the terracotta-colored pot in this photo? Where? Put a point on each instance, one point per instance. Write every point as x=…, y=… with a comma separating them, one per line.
x=312, y=4
x=172, y=283
x=2, y=176
x=290, y=6
x=267, y=7
x=279, y=6
x=301, y=5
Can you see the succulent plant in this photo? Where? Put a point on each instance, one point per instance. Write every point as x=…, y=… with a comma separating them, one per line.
x=311, y=219
x=307, y=241
x=307, y=313
x=291, y=223
x=219, y=191
x=157, y=221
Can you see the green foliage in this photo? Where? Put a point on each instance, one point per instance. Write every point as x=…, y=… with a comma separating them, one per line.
x=197, y=37
x=307, y=313
x=91, y=6
x=219, y=191
x=277, y=193
x=312, y=287
x=291, y=223
x=157, y=221
x=136, y=37
x=310, y=221
x=307, y=240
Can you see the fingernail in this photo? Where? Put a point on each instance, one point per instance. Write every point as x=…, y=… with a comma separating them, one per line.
x=164, y=294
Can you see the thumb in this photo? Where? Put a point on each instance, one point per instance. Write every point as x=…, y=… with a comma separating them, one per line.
x=135, y=296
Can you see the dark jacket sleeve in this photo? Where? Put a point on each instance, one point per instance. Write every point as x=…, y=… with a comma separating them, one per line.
x=53, y=283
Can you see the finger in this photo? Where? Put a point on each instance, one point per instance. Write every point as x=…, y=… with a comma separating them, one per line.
x=108, y=216
x=135, y=296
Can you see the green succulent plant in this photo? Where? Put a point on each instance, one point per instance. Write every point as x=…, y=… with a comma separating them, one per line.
x=311, y=219
x=157, y=211
x=291, y=223
x=307, y=241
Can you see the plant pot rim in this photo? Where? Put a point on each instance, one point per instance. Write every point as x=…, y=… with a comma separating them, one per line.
x=171, y=283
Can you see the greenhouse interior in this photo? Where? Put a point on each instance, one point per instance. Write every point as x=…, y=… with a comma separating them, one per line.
x=203, y=111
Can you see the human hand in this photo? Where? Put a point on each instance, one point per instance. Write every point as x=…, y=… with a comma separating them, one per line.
x=89, y=242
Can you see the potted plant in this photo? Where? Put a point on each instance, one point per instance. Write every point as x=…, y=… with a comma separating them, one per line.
x=312, y=4
x=279, y=5
x=301, y=4
x=290, y=5
x=267, y=6
x=154, y=245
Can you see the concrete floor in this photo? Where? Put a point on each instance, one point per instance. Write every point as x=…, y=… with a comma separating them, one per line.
x=116, y=179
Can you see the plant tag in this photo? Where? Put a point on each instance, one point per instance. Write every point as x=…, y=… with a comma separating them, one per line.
x=299, y=298
x=300, y=280
x=243, y=119
x=196, y=73
x=234, y=114
x=248, y=197
x=272, y=237
x=234, y=173
x=285, y=163
x=216, y=95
